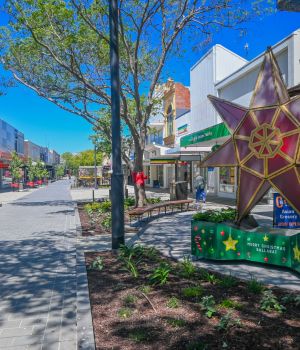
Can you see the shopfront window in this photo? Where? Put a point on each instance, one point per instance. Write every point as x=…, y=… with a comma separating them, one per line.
x=227, y=179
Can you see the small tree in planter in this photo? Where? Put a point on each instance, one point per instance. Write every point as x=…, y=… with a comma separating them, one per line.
x=31, y=172
x=41, y=172
x=46, y=175
x=15, y=170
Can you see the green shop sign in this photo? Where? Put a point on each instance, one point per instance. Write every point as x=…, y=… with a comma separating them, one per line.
x=214, y=132
x=225, y=242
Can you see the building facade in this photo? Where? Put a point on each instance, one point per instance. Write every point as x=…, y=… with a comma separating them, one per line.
x=11, y=140
x=233, y=80
x=32, y=151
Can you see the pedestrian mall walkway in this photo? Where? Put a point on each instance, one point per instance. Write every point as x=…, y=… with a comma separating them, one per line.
x=38, y=271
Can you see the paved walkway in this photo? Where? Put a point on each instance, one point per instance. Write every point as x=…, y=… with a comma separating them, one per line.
x=171, y=235
x=38, y=271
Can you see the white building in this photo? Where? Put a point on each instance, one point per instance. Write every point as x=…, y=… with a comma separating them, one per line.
x=224, y=74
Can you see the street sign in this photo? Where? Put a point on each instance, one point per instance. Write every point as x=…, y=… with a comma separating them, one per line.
x=284, y=215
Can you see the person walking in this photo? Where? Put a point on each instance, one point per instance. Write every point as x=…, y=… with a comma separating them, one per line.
x=200, y=190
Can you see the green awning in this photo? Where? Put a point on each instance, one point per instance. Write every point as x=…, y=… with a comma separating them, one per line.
x=208, y=134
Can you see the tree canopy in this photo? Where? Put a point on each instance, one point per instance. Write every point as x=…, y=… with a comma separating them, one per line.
x=60, y=49
x=85, y=158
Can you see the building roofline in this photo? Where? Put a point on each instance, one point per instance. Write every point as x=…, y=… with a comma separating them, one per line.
x=255, y=59
x=211, y=50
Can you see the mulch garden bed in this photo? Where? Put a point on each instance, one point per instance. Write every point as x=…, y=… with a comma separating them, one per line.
x=138, y=313
x=87, y=227
x=92, y=225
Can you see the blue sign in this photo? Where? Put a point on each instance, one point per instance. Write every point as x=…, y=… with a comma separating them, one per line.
x=210, y=169
x=284, y=215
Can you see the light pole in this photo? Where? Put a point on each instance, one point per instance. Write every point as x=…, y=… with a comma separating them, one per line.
x=117, y=190
x=95, y=166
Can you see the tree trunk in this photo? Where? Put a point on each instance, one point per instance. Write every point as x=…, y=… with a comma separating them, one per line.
x=139, y=190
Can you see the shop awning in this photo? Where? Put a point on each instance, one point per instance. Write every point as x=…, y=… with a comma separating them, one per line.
x=164, y=160
x=181, y=159
x=206, y=137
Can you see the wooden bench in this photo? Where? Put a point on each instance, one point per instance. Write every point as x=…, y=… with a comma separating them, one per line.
x=139, y=212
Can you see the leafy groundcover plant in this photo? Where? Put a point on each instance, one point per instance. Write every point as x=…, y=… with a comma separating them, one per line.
x=142, y=300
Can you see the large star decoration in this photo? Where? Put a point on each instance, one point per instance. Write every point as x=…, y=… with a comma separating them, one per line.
x=265, y=140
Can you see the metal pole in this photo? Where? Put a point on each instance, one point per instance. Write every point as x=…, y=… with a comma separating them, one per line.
x=95, y=167
x=117, y=191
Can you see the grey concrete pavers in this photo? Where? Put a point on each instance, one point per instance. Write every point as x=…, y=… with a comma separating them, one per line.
x=38, y=300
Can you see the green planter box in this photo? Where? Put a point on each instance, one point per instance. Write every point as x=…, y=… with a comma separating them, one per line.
x=227, y=242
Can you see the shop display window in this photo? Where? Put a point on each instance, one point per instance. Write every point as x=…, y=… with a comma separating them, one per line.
x=227, y=179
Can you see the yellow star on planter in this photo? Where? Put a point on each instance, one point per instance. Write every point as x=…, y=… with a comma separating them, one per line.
x=230, y=243
x=296, y=253
x=266, y=238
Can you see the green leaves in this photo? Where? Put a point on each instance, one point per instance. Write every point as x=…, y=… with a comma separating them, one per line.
x=160, y=274
x=15, y=167
x=269, y=302
x=208, y=305
x=214, y=215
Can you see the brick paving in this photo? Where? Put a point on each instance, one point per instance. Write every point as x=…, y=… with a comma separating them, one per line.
x=38, y=271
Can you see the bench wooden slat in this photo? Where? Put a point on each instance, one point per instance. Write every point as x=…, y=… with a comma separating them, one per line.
x=143, y=210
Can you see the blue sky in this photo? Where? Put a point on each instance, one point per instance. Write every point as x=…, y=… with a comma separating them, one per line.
x=46, y=124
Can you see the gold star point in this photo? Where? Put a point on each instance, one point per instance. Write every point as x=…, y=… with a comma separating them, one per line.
x=266, y=238
x=296, y=253
x=230, y=243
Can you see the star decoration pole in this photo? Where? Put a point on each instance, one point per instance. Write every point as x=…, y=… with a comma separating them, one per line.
x=264, y=142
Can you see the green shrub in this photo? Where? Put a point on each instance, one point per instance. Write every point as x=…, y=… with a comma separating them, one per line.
x=151, y=253
x=269, y=302
x=131, y=251
x=187, y=268
x=129, y=202
x=160, y=274
x=173, y=303
x=107, y=221
x=228, y=282
x=192, y=292
x=131, y=265
x=291, y=299
x=105, y=207
x=176, y=322
x=90, y=208
x=215, y=215
x=153, y=200
x=207, y=304
x=209, y=277
x=145, y=289
x=130, y=300
x=125, y=312
x=138, y=335
x=230, y=304
x=227, y=321
x=97, y=264
x=255, y=287
x=131, y=257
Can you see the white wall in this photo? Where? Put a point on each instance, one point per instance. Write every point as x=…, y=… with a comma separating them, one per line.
x=226, y=62
x=213, y=67
x=241, y=88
